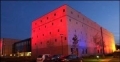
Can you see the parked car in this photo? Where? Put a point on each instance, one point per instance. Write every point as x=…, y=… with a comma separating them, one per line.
x=43, y=58
x=71, y=58
x=56, y=58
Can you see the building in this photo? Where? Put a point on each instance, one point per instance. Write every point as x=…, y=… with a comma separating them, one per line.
x=22, y=48
x=6, y=46
x=67, y=31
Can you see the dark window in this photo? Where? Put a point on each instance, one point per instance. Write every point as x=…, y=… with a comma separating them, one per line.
x=98, y=51
x=50, y=32
x=76, y=22
x=75, y=30
x=45, y=26
x=35, y=43
x=55, y=40
x=78, y=15
x=39, y=28
x=71, y=12
x=55, y=14
x=82, y=25
x=35, y=23
x=61, y=20
x=63, y=10
x=41, y=20
x=41, y=42
x=69, y=19
x=47, y=41
x=86, y=51
x=82, y=51
x=58, y=30
x=47, y=17
x=33, y=30
x=37, y=36
x=81, y=32
x=83, y=18
x=43, y=34
x=52, y=23
x=65, y=38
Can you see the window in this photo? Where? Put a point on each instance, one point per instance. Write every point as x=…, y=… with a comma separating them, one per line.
x=55, y=14
x=76, y=22
x=39, y=28
x=33, y=30
x=63, y=10
x=50, y=32
x=45, y=26
x=75, y=30
x=70, y=20
x=47, y=17
x=41, y=42
x=83, y=18
x=78, y=16
x=71, y=12
x=55, y=40
x=65, y=38
x=41, y=20
x=58, y=30
x=82, y=51
x=86, y=51
x=61, y=20
x=37, y=36
x=35, y=23
x=43, y=34
x=52, y=23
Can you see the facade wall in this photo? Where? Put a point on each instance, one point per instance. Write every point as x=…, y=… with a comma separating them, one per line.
x=85, y=29
x=47, y=30
x=49, y=33
x=7, y=48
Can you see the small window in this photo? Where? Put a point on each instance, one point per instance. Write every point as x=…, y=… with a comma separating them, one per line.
x=52, y=23
x=58, y=30
x=71, y=12
x=82, y=51
x=55, y=40
x=55, y=14
x=83, y=18
x=43, y=34
x=61, y=20
x=47, y=17
x=50, y=32
x=41, y=20
x=45, y=26
x=86, y=51
x=39, y=28
x=37, y=36
x=65, y=38
x=70, y=20
x=75, y=30
x=63, y=10
x=76, y=22
x=81, y=32
x=35, y=43
x=41, y=42
x=78, y=16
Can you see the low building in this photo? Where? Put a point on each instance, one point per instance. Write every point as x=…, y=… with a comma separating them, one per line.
x=22, y=48
x=6, y=46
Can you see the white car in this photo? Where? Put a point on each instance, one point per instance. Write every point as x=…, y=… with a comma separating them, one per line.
x=43, y=57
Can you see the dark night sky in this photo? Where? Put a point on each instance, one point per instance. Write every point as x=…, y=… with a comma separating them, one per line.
x=16, y=16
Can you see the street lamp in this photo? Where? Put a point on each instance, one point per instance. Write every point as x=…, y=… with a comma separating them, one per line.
x=61, y=42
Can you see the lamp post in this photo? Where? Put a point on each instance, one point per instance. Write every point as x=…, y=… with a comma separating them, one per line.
x=61, y=42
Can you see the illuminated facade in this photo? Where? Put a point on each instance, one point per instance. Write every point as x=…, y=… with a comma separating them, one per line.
x=67, y=31
x=22, y=48
x=6, y=46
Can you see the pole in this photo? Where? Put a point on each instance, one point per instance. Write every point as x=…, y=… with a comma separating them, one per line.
x=102, y=41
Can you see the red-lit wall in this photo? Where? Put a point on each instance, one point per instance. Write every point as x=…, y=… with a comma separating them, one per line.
x=49, y=33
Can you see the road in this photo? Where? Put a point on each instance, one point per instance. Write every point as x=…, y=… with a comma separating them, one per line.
x=110, y=59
